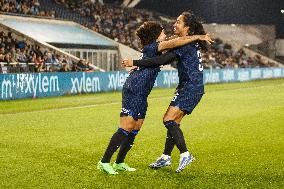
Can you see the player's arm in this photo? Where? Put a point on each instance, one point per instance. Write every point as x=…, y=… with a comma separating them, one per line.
x=180, y=41
x=166, y=58
x=172, y=37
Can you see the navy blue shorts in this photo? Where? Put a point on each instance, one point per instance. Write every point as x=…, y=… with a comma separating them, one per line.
x=186, y=101
x=133, y=105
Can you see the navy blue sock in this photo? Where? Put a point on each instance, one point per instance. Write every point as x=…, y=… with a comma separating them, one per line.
x=116, y=140
x=177, y=135
x=126, y=146
x=169, y=144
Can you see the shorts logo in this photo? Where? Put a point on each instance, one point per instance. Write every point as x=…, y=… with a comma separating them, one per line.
x=125, y=111
x=175, y=97
x=200, y=67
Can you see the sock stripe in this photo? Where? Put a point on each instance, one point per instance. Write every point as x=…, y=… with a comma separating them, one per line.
x=123, y=131
x=135, y=132
x=170, y=123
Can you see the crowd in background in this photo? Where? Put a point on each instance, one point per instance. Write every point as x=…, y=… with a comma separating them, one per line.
x=120, y=24
x=20, y=54
x=27, y=7
x=113, y=21
x=221, y=55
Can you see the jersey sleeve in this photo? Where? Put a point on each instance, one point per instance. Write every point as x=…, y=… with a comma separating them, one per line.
x=166, y=58
x=152, y=49
x=182, y=50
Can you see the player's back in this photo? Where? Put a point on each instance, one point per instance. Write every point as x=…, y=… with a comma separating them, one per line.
x=142, y=80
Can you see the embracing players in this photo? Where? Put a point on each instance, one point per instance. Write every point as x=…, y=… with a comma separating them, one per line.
x=135, y=92
x=188, y=92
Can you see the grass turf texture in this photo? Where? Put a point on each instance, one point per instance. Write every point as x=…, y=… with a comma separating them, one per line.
x=236, y=133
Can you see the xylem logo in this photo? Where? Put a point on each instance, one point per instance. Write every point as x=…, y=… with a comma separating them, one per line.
x=170, y=78
x=41, y=84
x=31, y=85
x=117, y=80
x=6, y=89
x=85, y=84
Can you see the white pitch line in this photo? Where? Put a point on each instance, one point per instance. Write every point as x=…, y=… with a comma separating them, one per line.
x=75, y=107
x=244, y=88
x=118, y=102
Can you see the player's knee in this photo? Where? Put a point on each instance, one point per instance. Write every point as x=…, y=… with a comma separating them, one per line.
x=127, y=123
x=139, y=124
x=168, y=117
x=132, y=127
x=127, y=128
x=137, y=127
x=171, y=114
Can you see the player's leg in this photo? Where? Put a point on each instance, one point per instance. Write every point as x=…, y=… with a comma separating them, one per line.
x=126, y=146
x=127, y=123
x=128, y=143
x=170, y=143
x=172, y=118
x=187, y=103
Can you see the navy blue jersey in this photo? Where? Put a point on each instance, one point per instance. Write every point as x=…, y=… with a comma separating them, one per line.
x=138, y=86
x=190, y=70
x=142, y=80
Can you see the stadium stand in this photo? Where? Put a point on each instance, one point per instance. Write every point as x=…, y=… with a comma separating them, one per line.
x=24, y=7
x=113, y=21
x=119, y=23
x=90, y=8
x=21, y=55
x=89, y=46
x=221, y=55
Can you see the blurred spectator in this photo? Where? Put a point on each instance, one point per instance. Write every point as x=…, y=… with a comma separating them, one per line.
x=82, y=65
x=28, y=7
x=13, y=51
x=116, y=22
x=221, y=55
x=113, y=21
x=65, y=68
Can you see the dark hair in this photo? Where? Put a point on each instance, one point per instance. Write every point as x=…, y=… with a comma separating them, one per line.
x=148, y=32
x=195, y=27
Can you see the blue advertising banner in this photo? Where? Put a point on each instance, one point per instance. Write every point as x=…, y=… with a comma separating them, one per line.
x=34, y=85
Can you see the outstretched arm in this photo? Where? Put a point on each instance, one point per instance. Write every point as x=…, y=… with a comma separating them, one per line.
x=180, y=41
x=166, y=58
x=172, y=37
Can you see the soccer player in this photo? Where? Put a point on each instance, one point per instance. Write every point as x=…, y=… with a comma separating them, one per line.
x=188, y=92
x=135, y=92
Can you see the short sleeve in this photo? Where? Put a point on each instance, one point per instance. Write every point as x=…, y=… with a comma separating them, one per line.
x=182, y=50
x=151, y=50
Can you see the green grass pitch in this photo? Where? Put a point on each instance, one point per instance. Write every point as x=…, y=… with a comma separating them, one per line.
x=236, y=133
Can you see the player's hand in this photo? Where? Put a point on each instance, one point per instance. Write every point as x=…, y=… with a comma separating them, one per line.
x=206, y=38
x=127, y=63
x=132, y=69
